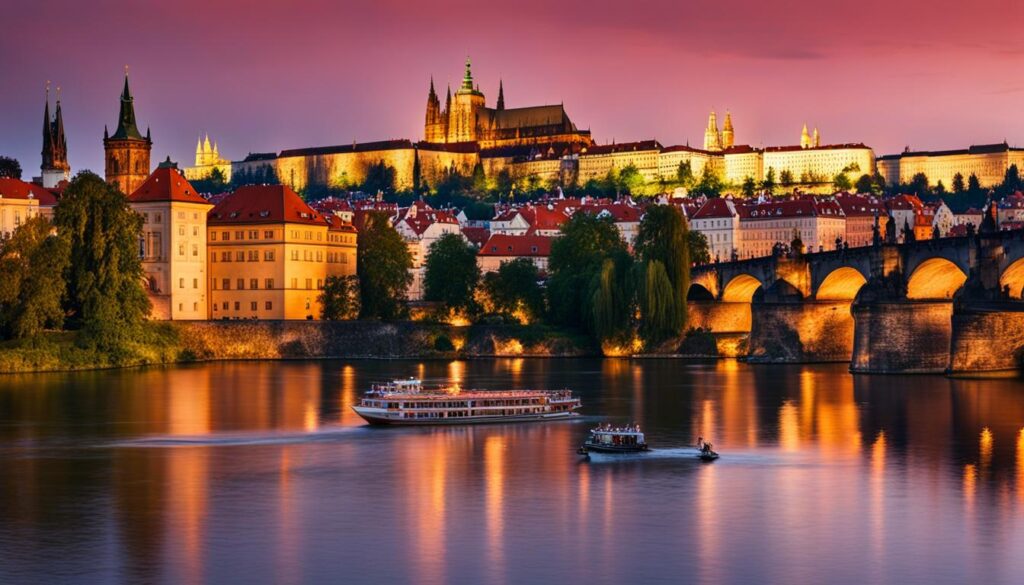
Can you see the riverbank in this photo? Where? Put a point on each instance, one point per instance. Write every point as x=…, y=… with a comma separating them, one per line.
x=183, y=342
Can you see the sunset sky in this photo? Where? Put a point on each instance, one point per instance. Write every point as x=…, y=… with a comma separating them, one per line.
x=264, y=76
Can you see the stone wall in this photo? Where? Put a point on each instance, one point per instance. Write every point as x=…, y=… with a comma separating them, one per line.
x=987, y=341
x=804, y=332
x=902, y=337
x=226, y=340
x=729, y=322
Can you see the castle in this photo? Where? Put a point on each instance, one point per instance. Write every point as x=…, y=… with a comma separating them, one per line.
x=466, y=118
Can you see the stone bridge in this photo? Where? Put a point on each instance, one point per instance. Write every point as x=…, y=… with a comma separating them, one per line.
x=944, y=305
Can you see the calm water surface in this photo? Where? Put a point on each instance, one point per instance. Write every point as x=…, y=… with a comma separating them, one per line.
x=261, y=473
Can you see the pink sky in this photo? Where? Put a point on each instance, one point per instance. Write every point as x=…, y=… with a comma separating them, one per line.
x=889, y=73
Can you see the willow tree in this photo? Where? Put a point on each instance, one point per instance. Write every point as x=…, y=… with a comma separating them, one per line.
x=104, y=278
x=32, y=265
x=659, y=306
x=664, y=238
x=612, y=301
x=576, y=257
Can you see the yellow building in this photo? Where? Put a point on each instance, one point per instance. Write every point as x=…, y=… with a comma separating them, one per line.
x=596, y=161
x=740, y=162
x=208, y=159
x=988, y=162
x=819, y=164
x=173, y=245
x=671, y=157
x=20, y=201
x=270, y=254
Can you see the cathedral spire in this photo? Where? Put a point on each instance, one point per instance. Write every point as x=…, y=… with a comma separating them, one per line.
x=728, y=136
x=712, y=137
x=448, y=100
x=467, y=80
x=126, y=126
x=60, y=143
x=501, y=95
x=47, y=132
x=805, y=138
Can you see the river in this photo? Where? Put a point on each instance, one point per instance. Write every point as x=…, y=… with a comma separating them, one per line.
x=259, y=472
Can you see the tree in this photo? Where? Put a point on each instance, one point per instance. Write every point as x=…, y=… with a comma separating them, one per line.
x=940, y=189
x=384, y=262
x=10, y=168
x=700, y=251
x=630, y=180
x=973, y=184
x=104, y=276
x=769, y=180
x=865, y=184
x=958, y=183
x=32, y=265
x=380, y=177
x=919, y=184
x=479, y=179
x=586, y=240
x=710, y=183
x=684, y=174
x=1011, y=179
x=611, y=302
x=503, y=182
x=513, y=289
x=662, y=244
x=786, y=178
x=842, y=182
x=659, y=309
x=749, y=186
x=451, y=272
x=339, y=299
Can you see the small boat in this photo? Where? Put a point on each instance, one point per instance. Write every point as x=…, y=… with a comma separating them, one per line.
x=704, y=451
x=609, y=439
x=407, y=402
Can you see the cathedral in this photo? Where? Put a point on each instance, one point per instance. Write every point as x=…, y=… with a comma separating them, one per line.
x=126, y=150
x=55, y=167
x=208, y=160
x=465, y=117
x=715, y=141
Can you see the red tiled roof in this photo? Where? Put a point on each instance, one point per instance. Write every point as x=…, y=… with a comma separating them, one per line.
x=805, y=207
x=502, y=245
x=166, y=184
x=478, y=236
x=335, y=224
x=860, y=206
x=714, y=207
x=18, y=189
x=620, y=212
x=264, y=204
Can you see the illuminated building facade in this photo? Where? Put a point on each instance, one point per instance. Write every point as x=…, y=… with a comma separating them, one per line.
x=988, y=162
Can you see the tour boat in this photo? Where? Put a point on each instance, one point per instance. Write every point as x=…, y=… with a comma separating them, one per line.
x=609, y=439
x=407, y=402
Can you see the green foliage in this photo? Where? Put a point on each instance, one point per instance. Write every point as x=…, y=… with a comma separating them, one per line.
x=684, y=175
x=104, y=278
x=215, y=182
x=958, y=183
x=10, y=168
x=630, y=180
x=576, y=257
x=919, y=185
x=264, y=174
x=612, y=301
x=384, y=262
x=700, y=250
x=479, y=179
x=451, y=273
x=339, y=299
x=451, y=186
x=514, y=288
x=1011, y=180
x=749, y=186
x=865, y=184
x=786, y=178
x=710, y=183
x=503, y=182
x=768, y=184
x=32, y=265
x=380, y=178
x=842, y=182
x=659, y=309
x=662, y=244
x=973, y=184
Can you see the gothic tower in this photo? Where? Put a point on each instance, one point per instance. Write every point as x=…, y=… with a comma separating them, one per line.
x=817, y=138
x=805, y=138
x=727, y=132
x=55, y=167
x=127, y=151
x=464, y=118
x=434, y=127
x=501, y=96
x=712, y=139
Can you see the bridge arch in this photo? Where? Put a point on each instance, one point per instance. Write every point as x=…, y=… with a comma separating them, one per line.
x=698, y=292
x=1013, y=279
x=935, y=279
x=741, y=289
x=842, y=284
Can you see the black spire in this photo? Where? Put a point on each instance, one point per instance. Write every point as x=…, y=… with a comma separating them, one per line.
x=47, y=132
x=126, y=126
x=433, y=94
x=60, y=143
x=501, y=95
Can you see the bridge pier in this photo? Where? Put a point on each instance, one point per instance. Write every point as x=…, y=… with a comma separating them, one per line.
x=729, y=323
x=901, y=337
x=987, y=339
x=800, y=332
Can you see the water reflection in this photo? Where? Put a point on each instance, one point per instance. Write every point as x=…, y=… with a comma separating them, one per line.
x=263, y=473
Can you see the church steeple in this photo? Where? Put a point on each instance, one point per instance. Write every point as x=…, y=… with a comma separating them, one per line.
x=54, y=166
x=805, y=138
x=501, y=95
x=712, y=138
x=728, y=136
x=47, y=132
x=126, y=126
x=467, y=79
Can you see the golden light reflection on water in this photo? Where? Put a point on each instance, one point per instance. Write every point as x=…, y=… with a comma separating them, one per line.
x=188, y=469
x=457, y=373
x=349, y=396
x=789, y=427
x=985, y=451
x=494, y=478
x=970, y=484
x=426, y=462
x=289, y=569
x=1020, y=465
x=877, y=493
x=708, y=523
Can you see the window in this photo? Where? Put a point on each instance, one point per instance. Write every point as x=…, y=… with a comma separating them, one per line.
x=213, y=284
x=295, y=254
x=319, y=256
x=254, y=235
x=309, y=283
x=269, y=283
x=181, y=230
x=195, y=230
x=239, y=256
x=213, y=236
x=254, y=255
x=295, y=283
x=225, y=256
x=225, y=236
x=225, y=284
x=195, y=249
x=195, y=283
x=344, y=258
x=181, y=249
x=225, y=306
x=181, y=215
x=254, y=283
x=142, y=247
x=157, y=218
x=181, y=283
x=238, y=306
x=268, y=235
x=213, y=256
x=195, y=307
x=319, y=284
x=241, y=284
x=269, y=305
x=181, y=307
x=239, y=235
x=268, y=255
x=252, y=306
